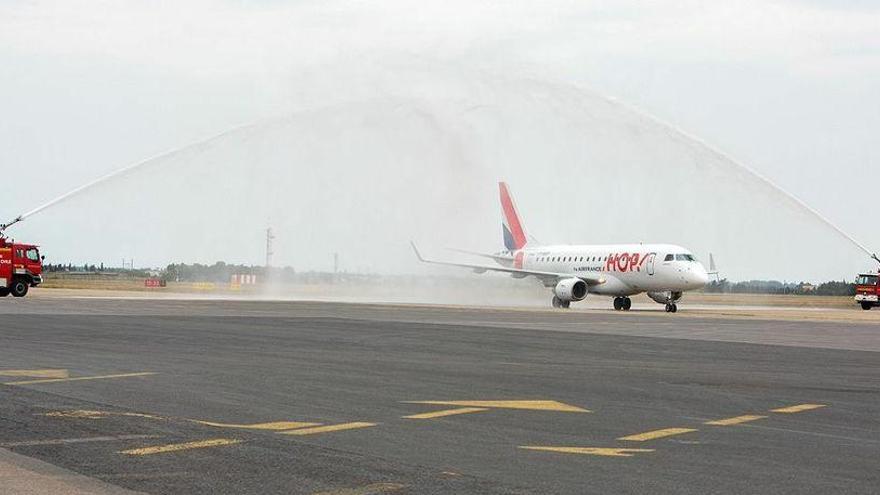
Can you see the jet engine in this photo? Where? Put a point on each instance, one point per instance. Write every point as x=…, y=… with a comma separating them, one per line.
x=571, y=289
x=665, y=297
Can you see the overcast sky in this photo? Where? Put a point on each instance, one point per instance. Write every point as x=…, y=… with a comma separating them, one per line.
x=789, y=88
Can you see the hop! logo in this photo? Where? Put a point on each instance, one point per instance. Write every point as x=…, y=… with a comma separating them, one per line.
x=626, y=262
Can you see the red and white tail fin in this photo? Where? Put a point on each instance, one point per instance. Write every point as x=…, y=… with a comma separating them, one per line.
x=511, y=225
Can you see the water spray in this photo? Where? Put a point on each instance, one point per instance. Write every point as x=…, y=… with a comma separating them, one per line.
x=212, y=139
x=123, y=171
x=790, y=196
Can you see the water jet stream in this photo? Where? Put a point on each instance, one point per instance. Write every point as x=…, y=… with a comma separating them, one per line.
x=125, y=170
x=751, y=171
x=157, y=159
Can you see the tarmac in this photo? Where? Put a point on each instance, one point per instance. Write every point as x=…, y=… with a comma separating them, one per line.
x=234, y=396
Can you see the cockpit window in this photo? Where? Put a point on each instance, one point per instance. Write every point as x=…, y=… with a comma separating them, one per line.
x=685, y=257
x=669, y=257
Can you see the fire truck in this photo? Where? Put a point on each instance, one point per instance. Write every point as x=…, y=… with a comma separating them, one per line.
x=867, y=290
x=21, y=267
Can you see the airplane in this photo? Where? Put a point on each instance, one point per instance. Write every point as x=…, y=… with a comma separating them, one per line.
x=662, y=271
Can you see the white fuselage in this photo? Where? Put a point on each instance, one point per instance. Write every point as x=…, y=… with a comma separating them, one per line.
x=627, y=269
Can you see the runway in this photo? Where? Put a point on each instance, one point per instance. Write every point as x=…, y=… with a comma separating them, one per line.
x=326, y=398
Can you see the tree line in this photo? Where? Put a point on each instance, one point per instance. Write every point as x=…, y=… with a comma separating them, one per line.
x=833, y=288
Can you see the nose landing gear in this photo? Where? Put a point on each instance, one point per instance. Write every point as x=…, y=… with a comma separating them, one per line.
x=671, y=308
x=622, y=303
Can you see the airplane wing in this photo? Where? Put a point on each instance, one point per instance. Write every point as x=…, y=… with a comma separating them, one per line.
x=516, y=272
x=497, y=258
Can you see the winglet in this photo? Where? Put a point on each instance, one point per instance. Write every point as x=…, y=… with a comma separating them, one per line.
x=713, y=270
x=416, y=250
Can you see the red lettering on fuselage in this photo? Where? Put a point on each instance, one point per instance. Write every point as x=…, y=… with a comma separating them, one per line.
x=611, y=263
x=625, y=262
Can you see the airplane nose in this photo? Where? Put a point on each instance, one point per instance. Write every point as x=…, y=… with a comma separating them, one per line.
x=700, y=276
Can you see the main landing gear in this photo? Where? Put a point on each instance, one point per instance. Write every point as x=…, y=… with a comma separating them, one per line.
x=622, y=303
x=559, y=303
x=671, y=308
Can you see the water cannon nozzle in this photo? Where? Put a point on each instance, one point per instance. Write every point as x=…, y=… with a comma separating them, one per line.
x=5, y=226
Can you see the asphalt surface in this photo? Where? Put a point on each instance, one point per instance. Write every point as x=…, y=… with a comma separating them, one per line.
x=305, y=398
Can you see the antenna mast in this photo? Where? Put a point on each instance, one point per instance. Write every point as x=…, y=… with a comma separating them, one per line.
x=269, y=248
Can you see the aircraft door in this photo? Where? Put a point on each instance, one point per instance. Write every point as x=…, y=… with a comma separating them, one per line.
x=650, y=263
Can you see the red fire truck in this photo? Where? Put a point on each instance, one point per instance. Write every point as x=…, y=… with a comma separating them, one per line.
x=21, y=267
x=867, y=290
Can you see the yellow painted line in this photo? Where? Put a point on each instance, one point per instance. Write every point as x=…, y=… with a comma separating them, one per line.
x=36, y=373
x=327, y=429
x=448, y=412
x=532, y=405
x=86, y=414
x=374, y=489
x=600, y=451
x=177, y=447
x=735, y=420
x=798, y=408
x=68, y=441
x=653, y=435
x=79, y=378
x=275, y=426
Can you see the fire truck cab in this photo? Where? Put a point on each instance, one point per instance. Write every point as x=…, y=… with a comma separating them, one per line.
x=21, y=267
x=867, y=290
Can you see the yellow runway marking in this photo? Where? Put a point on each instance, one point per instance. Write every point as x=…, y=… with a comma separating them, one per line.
x=327, y=429
x=798, y=408
x=276, y=426
x=373, y=489
x=600, y=451
x=79, y=378
x=652, y=435
x=448, y=412
x=734, y=421
x=85, y=414
x=36, y=373
x=532, y=405
x=177, y=447
x=68, y=441
x=273, y=426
